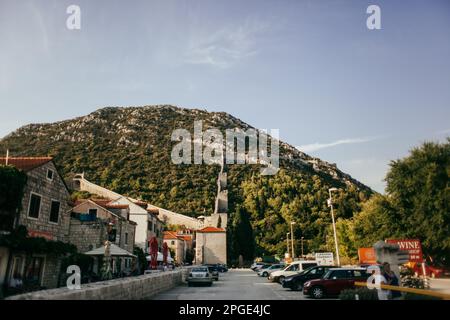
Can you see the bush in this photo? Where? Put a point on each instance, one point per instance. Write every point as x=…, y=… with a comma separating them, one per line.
x=363, y=294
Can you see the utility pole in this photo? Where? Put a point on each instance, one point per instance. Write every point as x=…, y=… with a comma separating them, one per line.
x=287, y=242
x=330, y=203
x=292, y=239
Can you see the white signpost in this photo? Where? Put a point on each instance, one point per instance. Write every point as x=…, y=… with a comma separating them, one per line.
x=325, y=258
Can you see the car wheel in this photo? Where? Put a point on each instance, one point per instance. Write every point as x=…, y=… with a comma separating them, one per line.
x=317, y=293
x=281, y=279
x=265, y=274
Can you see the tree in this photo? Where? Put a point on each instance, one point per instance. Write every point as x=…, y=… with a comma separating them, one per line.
x=416, y=204
x=419, y=189
x=242, y=236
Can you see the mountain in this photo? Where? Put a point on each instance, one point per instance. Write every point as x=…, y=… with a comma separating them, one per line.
x=127, y=149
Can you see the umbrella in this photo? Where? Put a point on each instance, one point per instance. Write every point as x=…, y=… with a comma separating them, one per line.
x=114, y=251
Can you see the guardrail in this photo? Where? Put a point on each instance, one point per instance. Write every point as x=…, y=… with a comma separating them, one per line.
x=424, y=292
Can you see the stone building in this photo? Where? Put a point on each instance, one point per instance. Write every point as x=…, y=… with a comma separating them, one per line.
x=90, y=221
x=210, y=246
x=176, y=244
x=147, y=223
x=45, y=213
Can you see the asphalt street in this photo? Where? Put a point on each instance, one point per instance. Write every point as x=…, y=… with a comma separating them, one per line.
x=236, y=284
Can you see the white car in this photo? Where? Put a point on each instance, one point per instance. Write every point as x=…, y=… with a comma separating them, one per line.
x=294, y=268
x=275, y=267
x=200, y=275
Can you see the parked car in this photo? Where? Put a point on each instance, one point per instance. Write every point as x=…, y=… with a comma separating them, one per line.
x=214, y=271
x=200, y=275
x=222, y=267
x=334, y=281
x=256, y=267
x=431, y=271
x=264, y=272
x=292, y=269
x=296, y=281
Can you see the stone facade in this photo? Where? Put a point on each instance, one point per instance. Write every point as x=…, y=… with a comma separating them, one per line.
x=45, y=213
x=147, y=225
x=89, y=235
x=48, y=191
x=211, y=246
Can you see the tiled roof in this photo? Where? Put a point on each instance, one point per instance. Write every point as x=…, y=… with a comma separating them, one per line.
x=105, y=203
x=211, y=229
x=185, y=237
x=170, y=235
x=116, y=206
x=26, y=163
x=153, y=211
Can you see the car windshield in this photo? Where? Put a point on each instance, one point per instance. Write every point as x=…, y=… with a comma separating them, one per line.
x=199, y=270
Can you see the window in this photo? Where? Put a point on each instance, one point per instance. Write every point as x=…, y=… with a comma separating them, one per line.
x=293, y=267
x=54, y=211
x=172, y=242
x=359, y=273
x=308, y=265
x=126, y=237
x=34, y=269
x=35, y=206
x=50, y=174
x=341, y=274
x=92, y=214
x=150, y=226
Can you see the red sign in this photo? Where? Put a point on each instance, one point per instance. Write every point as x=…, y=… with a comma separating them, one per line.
x=413, y=246
x=40, y=234
x=367, y=256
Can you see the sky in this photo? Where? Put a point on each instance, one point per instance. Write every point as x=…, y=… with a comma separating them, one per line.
x=312, y=69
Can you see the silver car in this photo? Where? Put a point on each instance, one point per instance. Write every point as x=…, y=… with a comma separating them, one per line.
x=200, y=275
x=266, y=272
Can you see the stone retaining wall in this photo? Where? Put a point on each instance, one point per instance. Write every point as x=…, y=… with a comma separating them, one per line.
x=133, y=288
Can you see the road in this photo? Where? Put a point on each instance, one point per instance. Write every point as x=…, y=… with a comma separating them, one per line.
x=236, y=284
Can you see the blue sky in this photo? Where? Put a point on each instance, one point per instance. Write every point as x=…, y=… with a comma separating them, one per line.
x=312, y=69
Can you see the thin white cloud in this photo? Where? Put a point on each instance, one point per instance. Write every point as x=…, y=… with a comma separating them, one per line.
x=318, y=146
x=226, y=46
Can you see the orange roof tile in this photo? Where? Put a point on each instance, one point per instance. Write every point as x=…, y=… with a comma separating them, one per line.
x=153, y=211
x=211, y=229
x=170, y=235
x=26, y=163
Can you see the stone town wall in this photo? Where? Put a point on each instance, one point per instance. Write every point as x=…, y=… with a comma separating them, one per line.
x=133, y=288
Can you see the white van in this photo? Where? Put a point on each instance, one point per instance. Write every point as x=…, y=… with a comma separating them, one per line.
x=293, y=268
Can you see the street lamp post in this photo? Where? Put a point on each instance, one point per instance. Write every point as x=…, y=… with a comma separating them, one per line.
x=292, y=240
x=330, y=203
x=287, y=242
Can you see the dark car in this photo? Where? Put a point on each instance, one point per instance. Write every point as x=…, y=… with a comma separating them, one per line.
x=296, y=282
x=222, y=268
x=214, y=271
x=334, y=281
